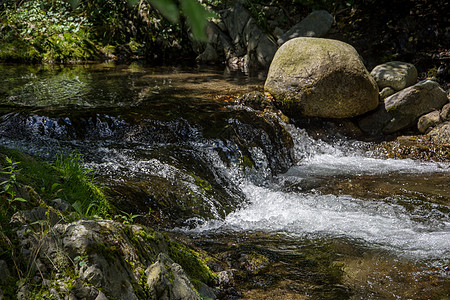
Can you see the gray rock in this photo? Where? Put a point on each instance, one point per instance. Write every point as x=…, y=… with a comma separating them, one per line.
x=429, y=120
x=61, y=205
x=207, y=292
x=166, y=280
x=395, y=74
x=316, y=24
x=35, y=216
x=402, y=109
x=445, y=112
x=317, y=77
x=386, y=92
x=238, y=38
x=101, y=296
x=441, y=133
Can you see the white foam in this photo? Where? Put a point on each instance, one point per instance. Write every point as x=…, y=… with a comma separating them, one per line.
x=382, y=223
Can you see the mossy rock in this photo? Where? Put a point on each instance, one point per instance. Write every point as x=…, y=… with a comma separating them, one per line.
x=320, y=78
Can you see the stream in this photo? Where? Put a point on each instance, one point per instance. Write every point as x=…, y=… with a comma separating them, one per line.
x=285, y=215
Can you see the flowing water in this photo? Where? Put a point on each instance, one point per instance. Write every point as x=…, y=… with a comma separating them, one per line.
x=292, y=217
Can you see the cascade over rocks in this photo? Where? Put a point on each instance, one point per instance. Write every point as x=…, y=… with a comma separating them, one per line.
x=317, y=77
x=316, y=24
x=402, y=109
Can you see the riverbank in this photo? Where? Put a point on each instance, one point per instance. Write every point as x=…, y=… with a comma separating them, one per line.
x=36, y=31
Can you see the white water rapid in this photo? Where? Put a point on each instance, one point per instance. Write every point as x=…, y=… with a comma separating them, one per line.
x=422, y=232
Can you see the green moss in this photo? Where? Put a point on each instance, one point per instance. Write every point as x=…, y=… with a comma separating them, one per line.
x=192, y=264
x=205, y=185
x=247, y=162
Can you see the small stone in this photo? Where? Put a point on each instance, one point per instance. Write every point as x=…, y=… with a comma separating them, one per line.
x=386, y=92
x=403, y=109
x=395, y=74
x=429, y=120
x=101, y=296
x=445, y=112
x=61, y=204
x=440, y=134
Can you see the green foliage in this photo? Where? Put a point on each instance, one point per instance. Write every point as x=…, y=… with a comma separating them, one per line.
x=61, y=31
x=10, y=184
x=197, y=17
x=49, y=28
x=126, y=218
x=67, y=179
x=78, y=186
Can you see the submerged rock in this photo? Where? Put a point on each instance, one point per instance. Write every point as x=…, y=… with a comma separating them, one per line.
x=320, y=78
x=402, y=109
x=316, y=24
x=395, y=74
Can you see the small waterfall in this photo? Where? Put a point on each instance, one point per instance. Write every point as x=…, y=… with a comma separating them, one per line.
x=389, y=223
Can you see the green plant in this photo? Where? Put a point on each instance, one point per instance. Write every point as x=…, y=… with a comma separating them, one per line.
x=79, y=188
x=10, y=184
x=82, y=260
x=126, y=218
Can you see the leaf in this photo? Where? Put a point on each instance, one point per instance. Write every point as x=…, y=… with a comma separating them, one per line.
x=20, y=199
x=197, y=17
x=168, y=8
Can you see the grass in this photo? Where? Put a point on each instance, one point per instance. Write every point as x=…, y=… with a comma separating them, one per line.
x=67, y=179
x=39, y=183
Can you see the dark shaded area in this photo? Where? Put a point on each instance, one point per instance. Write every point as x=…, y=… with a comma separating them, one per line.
x=405, y=30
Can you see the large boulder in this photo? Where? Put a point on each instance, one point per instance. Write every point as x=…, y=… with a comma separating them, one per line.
x=316, y=24
x=317, y=77
x=395, y=74
x=402, y=109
